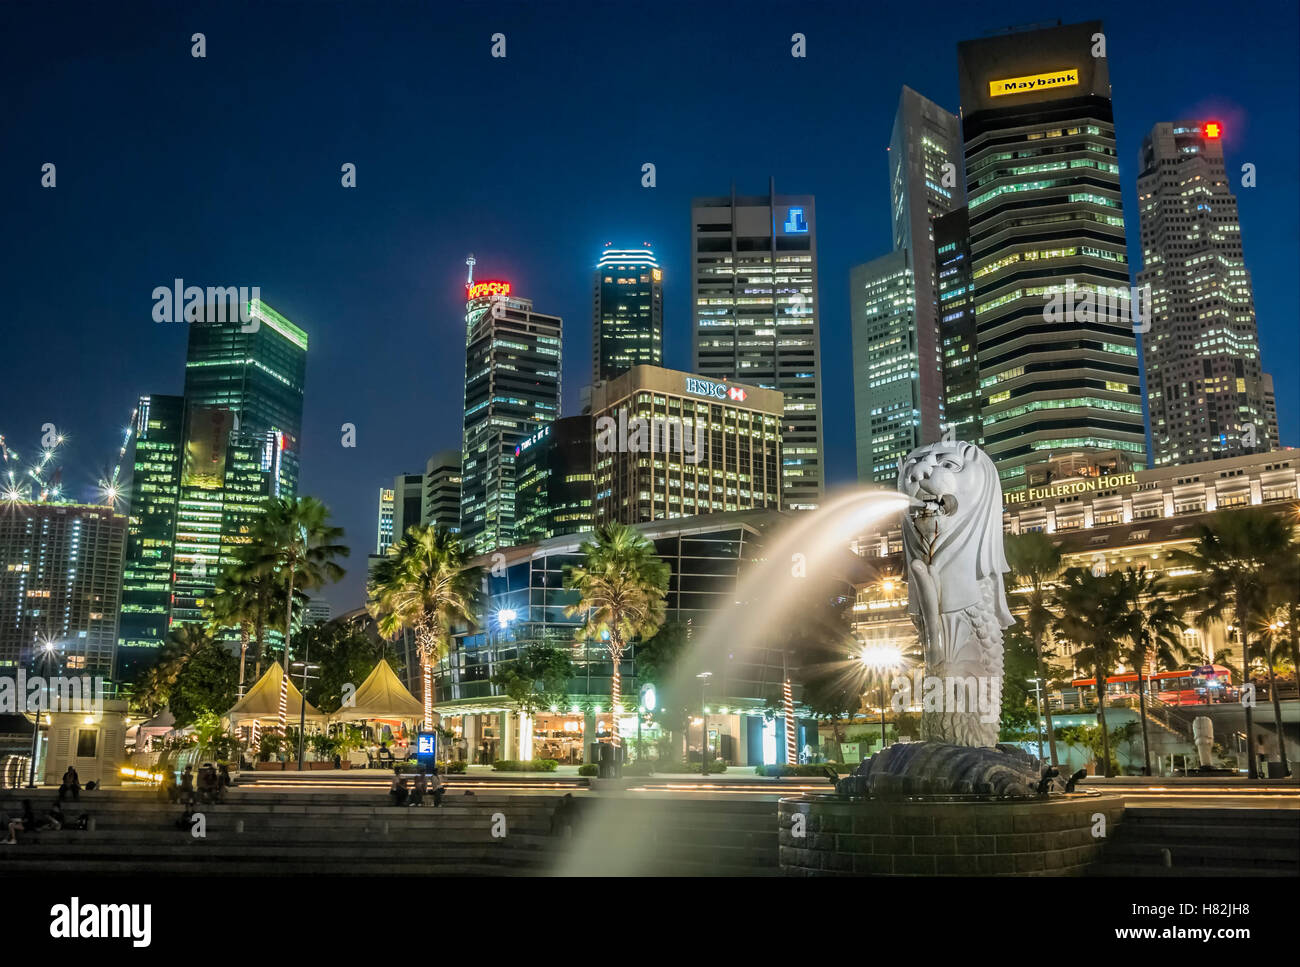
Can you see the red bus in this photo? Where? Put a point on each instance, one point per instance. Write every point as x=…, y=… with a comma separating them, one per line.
x=1187, y=686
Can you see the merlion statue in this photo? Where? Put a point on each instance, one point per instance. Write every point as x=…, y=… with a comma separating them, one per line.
x=952, y=546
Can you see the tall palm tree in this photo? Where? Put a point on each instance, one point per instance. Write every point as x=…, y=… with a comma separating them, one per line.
x=234, y=605
x=1233, y=556
x=1153, y=626
x=1035, y=558
x=294, y=544
x=1092, y=616
x=621, y=585
x=424, y=585
x=1274, y=653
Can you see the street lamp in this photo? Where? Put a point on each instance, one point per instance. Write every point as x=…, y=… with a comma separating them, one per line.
x=1038, y=726
x=302, y=715
x=704, y=723
x=44, y=657
x=881, y=658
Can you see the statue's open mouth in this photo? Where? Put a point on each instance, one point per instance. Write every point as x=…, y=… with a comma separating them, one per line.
x=931, y=506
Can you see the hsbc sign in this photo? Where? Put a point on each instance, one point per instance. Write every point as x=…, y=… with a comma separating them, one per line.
x=716, y=391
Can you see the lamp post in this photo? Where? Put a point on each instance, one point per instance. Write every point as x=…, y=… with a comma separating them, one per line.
x=302, y=714
x=45, y=656
x=1038, y=726
x=880, y=659
x=704, y=723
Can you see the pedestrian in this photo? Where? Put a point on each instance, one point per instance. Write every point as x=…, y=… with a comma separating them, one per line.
x=397, y=791
x=53, y=817
x=421, y=786
x=24, y=823
x=187, y=786
x=224, y=781
x=562, y=818
x=170, y=790
x=71, y=785
x=438, y=787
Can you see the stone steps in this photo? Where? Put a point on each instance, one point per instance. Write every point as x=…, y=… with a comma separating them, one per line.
x=1210, y=842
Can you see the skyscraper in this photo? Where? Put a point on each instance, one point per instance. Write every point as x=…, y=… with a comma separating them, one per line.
x=60, y=573
x=754, y=292
x=441, y=503
x=239, y=424
x=628, y=317
x=512, y=389
x=1207, y=396
x=882, y=316
x=897, y=359
x=958, y=340
x=158, y=450
x=384, y=521
x=1057, y=353
x=555, y=493
x=408, y=503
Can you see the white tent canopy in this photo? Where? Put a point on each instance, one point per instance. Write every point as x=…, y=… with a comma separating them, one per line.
x=381, y=696
x=262, y=702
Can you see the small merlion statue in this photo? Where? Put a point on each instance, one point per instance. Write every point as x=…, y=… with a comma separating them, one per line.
x=1203, y=736
x=952, y=546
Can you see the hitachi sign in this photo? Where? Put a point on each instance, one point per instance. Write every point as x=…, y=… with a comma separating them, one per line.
x=1066, y=77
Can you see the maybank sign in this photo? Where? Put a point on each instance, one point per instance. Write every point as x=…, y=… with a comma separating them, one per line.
x=1068, y=488
x=1066, y=77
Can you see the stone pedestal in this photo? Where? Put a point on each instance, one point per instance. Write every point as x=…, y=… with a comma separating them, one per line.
x=842, y=837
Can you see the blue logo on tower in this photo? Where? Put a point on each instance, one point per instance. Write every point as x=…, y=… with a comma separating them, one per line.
x=794, y=221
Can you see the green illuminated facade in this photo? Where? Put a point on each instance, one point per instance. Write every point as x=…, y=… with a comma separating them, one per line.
x=204, y=465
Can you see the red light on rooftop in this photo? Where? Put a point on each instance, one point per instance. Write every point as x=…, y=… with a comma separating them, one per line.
x=1213, y=129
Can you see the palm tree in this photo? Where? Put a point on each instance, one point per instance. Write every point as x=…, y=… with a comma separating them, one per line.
x=1154, y=627
x=424, y=585
x=235, y=605
x=153, y=689
x=294, y=544
x=1035, y=558
x=621, y=587
x=1234, y=555
x=1092, y=616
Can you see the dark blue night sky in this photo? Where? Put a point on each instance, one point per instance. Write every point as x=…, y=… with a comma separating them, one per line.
x=225, y=171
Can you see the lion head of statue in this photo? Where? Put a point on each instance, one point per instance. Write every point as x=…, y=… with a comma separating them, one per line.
x=955, y=521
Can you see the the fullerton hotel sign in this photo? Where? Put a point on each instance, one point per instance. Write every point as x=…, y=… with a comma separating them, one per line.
x=1070, y=487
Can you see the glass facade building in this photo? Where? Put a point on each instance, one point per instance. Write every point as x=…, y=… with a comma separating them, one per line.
x=60, y=583
x=958, y=338
x=628, y=325
x=204, y=465
x=1049, y=261
x=1205, y=384
x=556, y=484
x=159, y=441
x=524, y=603
x=512, y=390
x=754, y=293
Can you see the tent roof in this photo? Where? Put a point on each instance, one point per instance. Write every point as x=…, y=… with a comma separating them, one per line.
x=163, y=721
x=262, y=701
x=382, y=696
